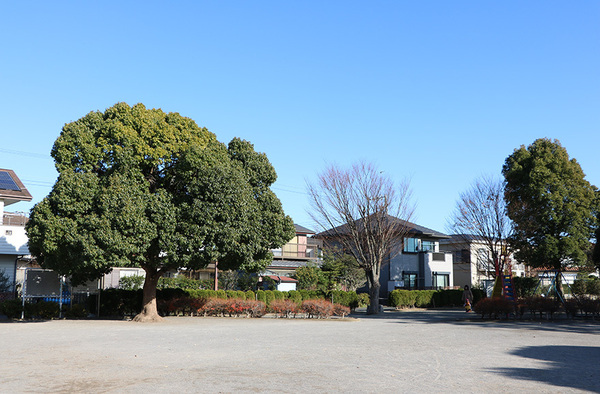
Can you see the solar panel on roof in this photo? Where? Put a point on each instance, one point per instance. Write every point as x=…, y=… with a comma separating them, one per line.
x=7, y=183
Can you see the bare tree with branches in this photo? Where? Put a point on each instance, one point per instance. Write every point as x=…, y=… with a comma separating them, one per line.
x=481, y=212
x=365, y=213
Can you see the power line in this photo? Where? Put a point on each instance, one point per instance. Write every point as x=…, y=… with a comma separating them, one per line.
x=23, y=153
x=288, y=191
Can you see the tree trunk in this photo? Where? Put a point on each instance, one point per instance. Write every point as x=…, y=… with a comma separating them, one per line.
x=559, y=286
x=373, y=281
x=149, y=312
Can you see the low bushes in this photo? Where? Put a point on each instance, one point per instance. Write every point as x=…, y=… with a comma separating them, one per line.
x=44, y=310
x=317, y=308
x=284, y=308
x=428, y=298
x=494, y=307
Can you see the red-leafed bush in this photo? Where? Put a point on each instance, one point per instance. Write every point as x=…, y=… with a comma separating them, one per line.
x=542, y=305
x=233, y=307
x=317, y=308
x=284, y=308
x=215, y=307
x=590, y=306
x=255, y=308
x=341, y=310
x=181, y=306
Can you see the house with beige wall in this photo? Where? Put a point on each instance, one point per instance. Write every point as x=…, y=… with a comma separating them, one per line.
x=473, y=263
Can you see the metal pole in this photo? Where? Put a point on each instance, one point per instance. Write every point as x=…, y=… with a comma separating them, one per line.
x=23, y=293
x=60, y=298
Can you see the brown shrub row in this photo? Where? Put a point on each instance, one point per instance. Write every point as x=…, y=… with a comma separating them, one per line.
x=189, y=306
x=542, y=306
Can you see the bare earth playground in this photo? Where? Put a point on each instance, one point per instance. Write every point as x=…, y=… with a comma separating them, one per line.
x=398, y=351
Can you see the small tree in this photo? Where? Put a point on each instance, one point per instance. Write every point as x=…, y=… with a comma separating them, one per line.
x=343, y=269
x=481, y=211
x=362, y=211
x=228, y=280
x=310, y=277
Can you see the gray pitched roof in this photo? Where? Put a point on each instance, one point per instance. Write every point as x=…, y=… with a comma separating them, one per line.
x=462, y=238
x=413, y=229
x=302, y=230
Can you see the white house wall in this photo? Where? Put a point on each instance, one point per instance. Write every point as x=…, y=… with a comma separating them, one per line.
x=409, y=262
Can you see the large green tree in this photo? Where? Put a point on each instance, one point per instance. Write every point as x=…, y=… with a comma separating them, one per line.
x=140, y=187
x=551, y=205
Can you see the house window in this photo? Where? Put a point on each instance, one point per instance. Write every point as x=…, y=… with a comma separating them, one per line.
x=428, y=246
x=483, y=260
x=410, y=280
x=441, y=280
x=411, y=245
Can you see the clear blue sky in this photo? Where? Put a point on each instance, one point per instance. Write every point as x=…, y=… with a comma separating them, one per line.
x=440, y=92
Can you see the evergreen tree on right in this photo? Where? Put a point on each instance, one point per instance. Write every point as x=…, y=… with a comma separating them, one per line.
x=551, y=204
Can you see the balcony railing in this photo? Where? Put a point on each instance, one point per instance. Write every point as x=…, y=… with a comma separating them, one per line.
x=14, y=219
x=309, y=254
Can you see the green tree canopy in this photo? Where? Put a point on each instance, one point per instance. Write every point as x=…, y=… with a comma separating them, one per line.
x=551, y=205
x=140, y=187
x=343, y=269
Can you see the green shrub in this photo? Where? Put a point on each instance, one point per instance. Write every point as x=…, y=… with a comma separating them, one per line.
x=593, y=286
x=444, y=298
x=363, y=300
x=45, y=309
x=133, y=282
x=579, y=287
x=118, y=302
x=180, y=282
x=269, y=297
x=76, y=311
x=261, y=296
x=250, y=295
x=12, y=308
x=170, y=293
x=424, y=298
x=402, y=298
x=295, y=296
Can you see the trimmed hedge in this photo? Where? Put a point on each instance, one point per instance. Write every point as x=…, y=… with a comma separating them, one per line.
x=429, y=298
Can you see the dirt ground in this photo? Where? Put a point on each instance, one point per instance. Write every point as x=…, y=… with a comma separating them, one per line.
x=399, y=351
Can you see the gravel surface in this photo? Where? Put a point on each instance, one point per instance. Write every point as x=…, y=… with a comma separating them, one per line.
x=399, y=351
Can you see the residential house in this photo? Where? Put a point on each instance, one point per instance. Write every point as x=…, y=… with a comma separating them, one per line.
x=300, y=251
x=13, y=239
x=416, y=261
x=473, y=262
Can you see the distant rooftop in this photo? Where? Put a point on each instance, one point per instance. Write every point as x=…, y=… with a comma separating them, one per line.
x=12, y=189
x=302, y=230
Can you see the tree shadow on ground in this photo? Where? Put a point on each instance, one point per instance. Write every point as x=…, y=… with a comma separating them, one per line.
x=459, y=317
x=563, y=366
